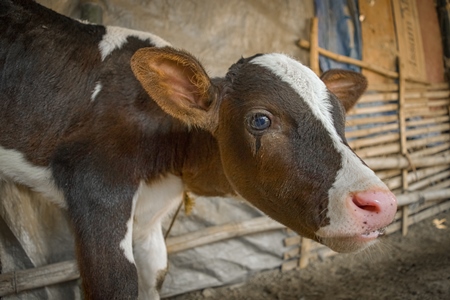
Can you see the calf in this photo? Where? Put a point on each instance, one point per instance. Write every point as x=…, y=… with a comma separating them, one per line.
x=115, y=124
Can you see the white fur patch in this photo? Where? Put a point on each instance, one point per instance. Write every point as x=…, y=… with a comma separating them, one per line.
x=155, y=202
x=14, y=167
x=353, y=175
x=127, y=243
x=97, y=89
x=115, y=37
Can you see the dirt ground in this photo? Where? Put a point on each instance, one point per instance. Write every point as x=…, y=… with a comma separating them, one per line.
x=416, y=266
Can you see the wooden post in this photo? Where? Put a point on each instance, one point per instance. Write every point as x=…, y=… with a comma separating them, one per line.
x=345, y=59
x=314, y=64
x=304, y=253
x=403, y=146
x=314, y=46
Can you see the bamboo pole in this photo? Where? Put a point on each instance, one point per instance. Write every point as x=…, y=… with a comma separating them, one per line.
x=438, y=111
x=374, y=109
x=314, y=49
x=23, y=280
x=426, y=172
x=425, y=141
x=437, y=103
x=428, y=121
x=409, y=95
x=370, y=131
x=399, y=162
x=394, y=182
x=389, y=87
x=345, y=59
x=419, y=196
x=221, y=232
x=385, y=138
x=403, y=145
x=378, y=97
x=386, y=174
x=429, y=151
x=440, y=186
x=438, y=128
x=353, y=121
x=375, y=151
x=428, y=181
x=304, y=253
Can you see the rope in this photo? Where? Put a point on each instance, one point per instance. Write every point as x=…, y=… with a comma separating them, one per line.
x=174, y=218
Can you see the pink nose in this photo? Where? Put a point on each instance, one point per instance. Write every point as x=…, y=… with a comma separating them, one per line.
x=375, y=209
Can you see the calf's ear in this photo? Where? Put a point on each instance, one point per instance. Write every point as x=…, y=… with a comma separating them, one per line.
x=348, y=86
x=178, y=84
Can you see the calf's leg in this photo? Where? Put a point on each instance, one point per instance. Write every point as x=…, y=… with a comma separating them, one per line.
x=155, y=201
x=100, y=204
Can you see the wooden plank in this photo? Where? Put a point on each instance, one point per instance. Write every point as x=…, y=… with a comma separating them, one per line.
x=221, y=232
x=399, y=162
x=378, y=37
x=431, y=38
x=23, y=280
x=430, y=150
x=409, y=38
x=352, y=121
x=342, y=58
x=383, y=127
x=392, y=148
x=304, y=253
x=289, y=265
x=292, y=240
x=407, y=199
x=314, y=46
x=294, y=252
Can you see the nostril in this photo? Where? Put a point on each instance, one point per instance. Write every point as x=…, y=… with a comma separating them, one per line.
x=372, y=209
x=366, y=203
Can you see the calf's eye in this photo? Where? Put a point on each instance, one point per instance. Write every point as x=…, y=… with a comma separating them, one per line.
x=260, y=122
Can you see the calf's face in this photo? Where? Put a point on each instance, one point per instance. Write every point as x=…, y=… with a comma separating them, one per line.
x=280, y=131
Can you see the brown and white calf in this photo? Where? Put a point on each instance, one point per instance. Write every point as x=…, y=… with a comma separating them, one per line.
x=115, y=124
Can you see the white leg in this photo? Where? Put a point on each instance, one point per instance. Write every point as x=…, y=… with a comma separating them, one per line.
x=155, y=202
x=150, y=255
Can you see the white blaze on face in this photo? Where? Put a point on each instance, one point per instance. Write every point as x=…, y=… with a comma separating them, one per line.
x=115, y=37
x=353, y=175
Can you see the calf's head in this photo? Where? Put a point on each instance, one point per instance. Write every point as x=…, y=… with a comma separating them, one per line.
x=280, y=132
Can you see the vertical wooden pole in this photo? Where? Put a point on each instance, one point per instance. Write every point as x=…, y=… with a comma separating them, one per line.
x=403, y=146
x=304, y=253
x=314, y=65
x=314, y=46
